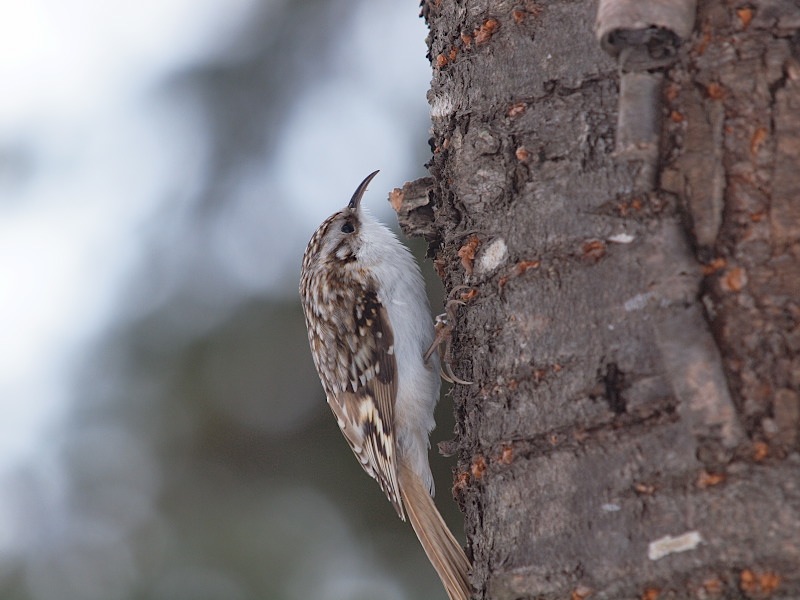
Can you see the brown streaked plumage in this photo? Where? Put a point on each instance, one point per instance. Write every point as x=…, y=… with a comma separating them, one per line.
x=368, y=327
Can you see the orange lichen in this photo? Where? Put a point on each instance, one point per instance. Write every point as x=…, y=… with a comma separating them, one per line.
x=469, y=294
x=441, y=61
x=676, y=117
x=671, y=92
x=467, y=253
x=520, y=268
x=461, y=483
x=625, y=207
x=745, y=15
x=581, y=592
x=525, y=9
x=734, y=279
x=580, y=435
x=507, y=455
x=714, y=266
x=651, y=593
x=485, y=32
x=758, y=139
x=748, y=582
x=715, y=91
x=704, y=41
x=396, y=197
x=593, y=250
x=760, y=451
x=713, y=586
x=769, y=582
x=706, y=479
x=758, y=583
x=524, y=265
x=478, y=467
x=522, y=154
x=516, y=109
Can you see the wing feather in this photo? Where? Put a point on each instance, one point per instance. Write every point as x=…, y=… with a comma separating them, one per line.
x=357, y=349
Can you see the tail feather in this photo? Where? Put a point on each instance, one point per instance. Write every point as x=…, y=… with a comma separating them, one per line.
x=444, y=552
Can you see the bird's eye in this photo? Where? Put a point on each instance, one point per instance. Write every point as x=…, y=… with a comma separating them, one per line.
x=348, y=227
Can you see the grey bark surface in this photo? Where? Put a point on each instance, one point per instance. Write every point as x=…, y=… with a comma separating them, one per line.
x=632, y=428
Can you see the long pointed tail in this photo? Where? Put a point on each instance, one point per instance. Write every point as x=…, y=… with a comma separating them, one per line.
x=444, y=552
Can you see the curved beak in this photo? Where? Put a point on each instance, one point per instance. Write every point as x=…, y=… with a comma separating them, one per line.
x=355, y=201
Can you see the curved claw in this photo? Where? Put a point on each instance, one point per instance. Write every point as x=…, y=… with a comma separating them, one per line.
x=444, y=330
x=450, y=303
x=454, y=291
x=447, y=374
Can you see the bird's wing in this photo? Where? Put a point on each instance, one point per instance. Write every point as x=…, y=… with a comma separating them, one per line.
x=359, y=349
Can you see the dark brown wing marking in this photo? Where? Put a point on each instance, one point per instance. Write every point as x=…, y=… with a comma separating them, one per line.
x=358, y=348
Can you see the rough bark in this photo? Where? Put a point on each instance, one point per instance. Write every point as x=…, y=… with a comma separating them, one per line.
x=631, y=325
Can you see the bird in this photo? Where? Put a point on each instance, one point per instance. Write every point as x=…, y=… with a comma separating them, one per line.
x=372, y=342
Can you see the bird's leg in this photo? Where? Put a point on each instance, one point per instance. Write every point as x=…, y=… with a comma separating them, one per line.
x=444, y=337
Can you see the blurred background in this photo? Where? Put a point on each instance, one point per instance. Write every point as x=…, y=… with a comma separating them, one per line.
x=162, y=165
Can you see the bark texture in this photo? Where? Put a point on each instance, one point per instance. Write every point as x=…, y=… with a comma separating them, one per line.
x=631, y=328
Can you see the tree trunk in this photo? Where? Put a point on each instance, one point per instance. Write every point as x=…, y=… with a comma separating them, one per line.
x=627, y=222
